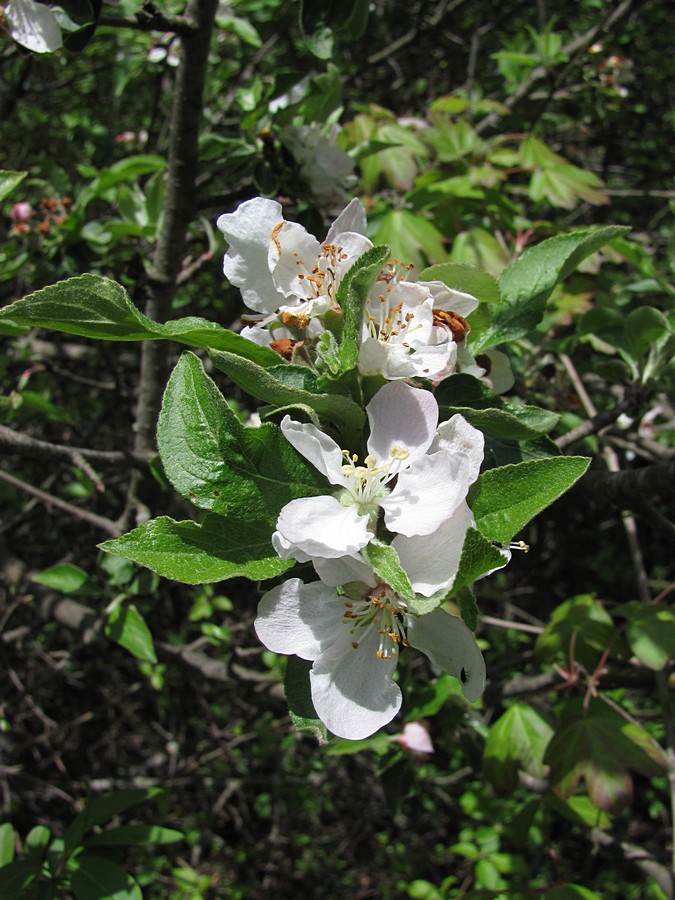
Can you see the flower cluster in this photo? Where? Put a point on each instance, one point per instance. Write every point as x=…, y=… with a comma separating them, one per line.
x=290, y=282
x=403, y=494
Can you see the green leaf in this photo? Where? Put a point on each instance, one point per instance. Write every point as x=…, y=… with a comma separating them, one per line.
x=6, y=843
x=126, y=626
x=16, y=877
x=510, y=422
x=135, y=835
x=601, y=747
x=101, y=810
x=351, y=297
x=517, y=740
x=9, y=181
x=97, y=878
x=96, y=307
x=219, y=464
x=466, y=278
x=468, y=607
x=346, y=414
x=299, y=697
x=583, y=620
x=504, y=500
x=385, y=563
x=411, y=237
x=220, y=548
x=650, y=630
x=527, y=283
x=644, y=327
x=64, y=577
x=36, y=843
x=479, y=555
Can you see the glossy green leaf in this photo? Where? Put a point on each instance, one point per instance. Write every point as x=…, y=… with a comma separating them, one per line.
x=650, y=631
x=601, y=747
x=126, y=626
x=527, y=283
x=517, y=741
x=97, y=878
x=9, y=181
x=504, y=500
x=219, y=464
x=96, y=307
x=64, y=577
x=221, y=547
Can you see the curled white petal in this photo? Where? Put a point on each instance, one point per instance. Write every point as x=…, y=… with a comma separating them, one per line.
x=317, y=447
x=344, y=569
x=352, y=218
x=450, y=300
x=33, y=25
x=450, y=646
x=248, y=231
x=320, y=527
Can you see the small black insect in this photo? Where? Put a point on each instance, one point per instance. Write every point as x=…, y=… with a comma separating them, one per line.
x=463, y=675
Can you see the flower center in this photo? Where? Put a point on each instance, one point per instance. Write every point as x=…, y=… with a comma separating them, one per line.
x=384, y=611
x=369, y=481
x=322, y=279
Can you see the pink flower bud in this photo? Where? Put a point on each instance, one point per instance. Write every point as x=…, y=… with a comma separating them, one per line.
x=22, y=212
x=415, y=737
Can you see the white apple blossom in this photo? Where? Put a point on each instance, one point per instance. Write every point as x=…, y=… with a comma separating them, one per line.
x=413, y=329
x=286, y=275
x=491, y=366
x=354, y=645
x=416, y=473
x=324, y=166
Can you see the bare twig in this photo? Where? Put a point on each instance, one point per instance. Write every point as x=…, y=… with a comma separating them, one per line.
x=599, y=421
x=612, y=462
x=149, y=18
x=32, y=447
x=106, y=525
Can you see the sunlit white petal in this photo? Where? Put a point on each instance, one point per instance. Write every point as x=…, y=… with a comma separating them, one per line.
x=298, y=618
x=450, y=646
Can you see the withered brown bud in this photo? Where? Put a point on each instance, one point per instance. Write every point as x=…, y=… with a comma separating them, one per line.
x=484, y=361
x=294, y=320
x=284, y=347
x=455, y=323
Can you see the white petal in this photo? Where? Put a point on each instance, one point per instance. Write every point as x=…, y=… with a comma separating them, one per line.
x=427, y=493
x=33, y=26
x=351, y=246
x=299, y=618
x=401, y=416
x=456, y=436
x=352, y=218
x=293, y=253
x=450, y=300
x=501, y=374
x=352, y=689
x=322, y=526
x=344, y=569
x=248, y=231
x=450, y=646
x=317, y=447
x=431, y=561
